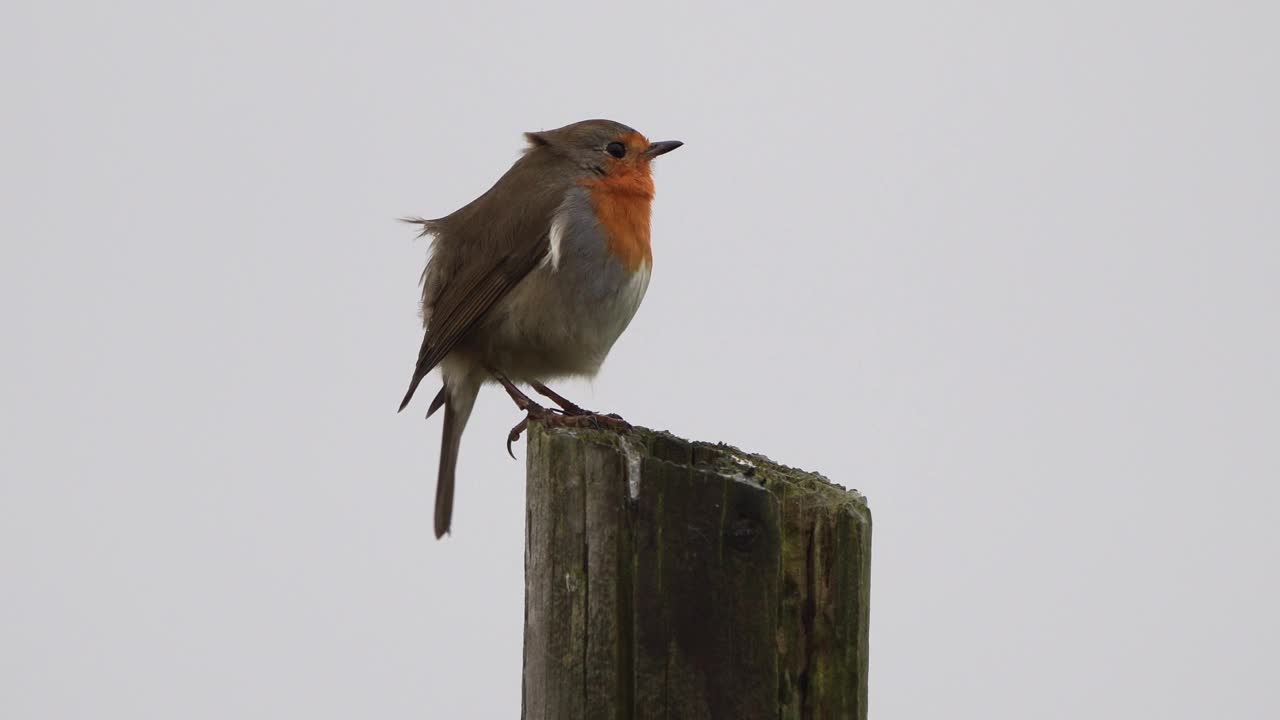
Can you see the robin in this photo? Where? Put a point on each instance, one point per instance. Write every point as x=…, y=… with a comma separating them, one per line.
x=536, y=279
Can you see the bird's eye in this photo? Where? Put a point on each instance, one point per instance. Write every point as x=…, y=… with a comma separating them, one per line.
x=616, y=149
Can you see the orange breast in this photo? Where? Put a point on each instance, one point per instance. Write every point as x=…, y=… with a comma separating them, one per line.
x=621, y=201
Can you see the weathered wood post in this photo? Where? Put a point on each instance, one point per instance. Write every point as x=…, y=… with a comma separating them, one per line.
x=670, y=579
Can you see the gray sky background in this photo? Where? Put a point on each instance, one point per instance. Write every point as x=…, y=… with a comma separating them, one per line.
x=1010, y=270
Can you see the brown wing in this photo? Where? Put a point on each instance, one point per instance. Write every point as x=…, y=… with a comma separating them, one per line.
x=486, y=248
x=467, y=298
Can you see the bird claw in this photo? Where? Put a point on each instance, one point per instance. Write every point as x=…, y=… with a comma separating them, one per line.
x=514, y=435
x=533, y=411
x=575, y=417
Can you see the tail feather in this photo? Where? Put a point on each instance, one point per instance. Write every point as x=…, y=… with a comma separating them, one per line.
x=438, y=402
x=457, y=410
x=413, y=386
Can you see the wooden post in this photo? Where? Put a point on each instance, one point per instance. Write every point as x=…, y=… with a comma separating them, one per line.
x=674, y=579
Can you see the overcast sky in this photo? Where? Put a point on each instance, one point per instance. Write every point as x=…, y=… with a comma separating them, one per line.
x=1010, y=271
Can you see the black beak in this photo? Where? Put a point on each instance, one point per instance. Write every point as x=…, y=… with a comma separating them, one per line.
x=662, y=148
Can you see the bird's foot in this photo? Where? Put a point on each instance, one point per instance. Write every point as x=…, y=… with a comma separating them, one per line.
x=558, y=418
x=570, y=409
x=592, y=420
x=570, y=415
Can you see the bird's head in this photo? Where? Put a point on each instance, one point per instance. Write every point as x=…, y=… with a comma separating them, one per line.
x=608, y=149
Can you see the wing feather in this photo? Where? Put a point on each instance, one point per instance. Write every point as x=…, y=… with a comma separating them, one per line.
x=486, y=248
x=466, y=300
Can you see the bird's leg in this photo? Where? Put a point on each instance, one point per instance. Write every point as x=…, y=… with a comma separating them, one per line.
x=572, y=416
x=567, y=405
x=522, y=401
x=575, y=415
x=570, y=408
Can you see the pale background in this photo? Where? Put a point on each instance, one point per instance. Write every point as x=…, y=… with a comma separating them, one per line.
x=1011, y=271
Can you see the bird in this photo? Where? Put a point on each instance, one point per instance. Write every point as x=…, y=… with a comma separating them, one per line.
x=536, y=279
